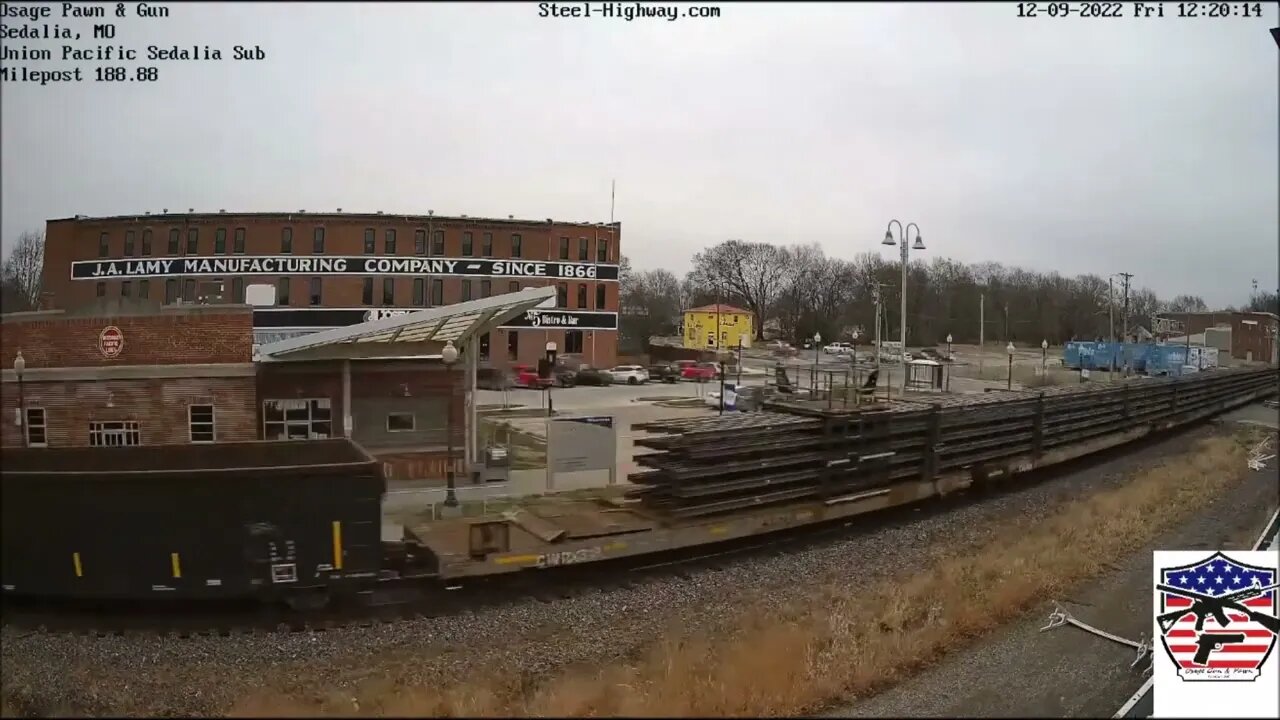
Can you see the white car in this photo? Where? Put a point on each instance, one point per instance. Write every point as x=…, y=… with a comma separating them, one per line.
x=838, y=348
x=629, y=374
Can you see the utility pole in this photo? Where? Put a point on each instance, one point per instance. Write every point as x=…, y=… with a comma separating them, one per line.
x=1124, y=322
x=1111, y=309
x=982, y=325
x=875, y=294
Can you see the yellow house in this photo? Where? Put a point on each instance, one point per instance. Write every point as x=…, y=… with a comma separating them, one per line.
x=714, y=326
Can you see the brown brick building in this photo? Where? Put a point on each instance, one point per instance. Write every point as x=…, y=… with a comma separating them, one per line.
x=123, y=372
x=334, y=269
x=1253, y=334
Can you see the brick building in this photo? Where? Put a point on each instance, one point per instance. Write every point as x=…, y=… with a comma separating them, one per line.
x=1253, y=334
x=126, y=372
x=334, y=269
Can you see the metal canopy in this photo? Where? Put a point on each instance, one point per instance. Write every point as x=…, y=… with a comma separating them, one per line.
x=457, y=322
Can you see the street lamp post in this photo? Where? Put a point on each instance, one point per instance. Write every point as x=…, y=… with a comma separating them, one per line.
x=19, y=365
x=1044, y=358
x=950, y=359
x=1009, y=349
x=817, y=348
x=905, y=234
x=449, y=356
x=551, y=360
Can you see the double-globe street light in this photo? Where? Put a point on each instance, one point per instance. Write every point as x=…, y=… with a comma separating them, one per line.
x=905, y=235
x=19, y=365
x=1009, y=349
x=449, y=356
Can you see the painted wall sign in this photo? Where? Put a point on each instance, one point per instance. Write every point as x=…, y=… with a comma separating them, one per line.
x=216, y=266
x=111, y=341
x=299, y=320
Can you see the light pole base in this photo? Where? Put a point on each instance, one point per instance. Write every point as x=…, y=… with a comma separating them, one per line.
x=450, y=511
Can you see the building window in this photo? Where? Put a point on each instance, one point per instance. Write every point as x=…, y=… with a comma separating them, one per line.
x=486, y=288
x=126, y=289
x=286, y=240
x=602, y=250
x=584, y=250
x=369, y=242
x=437, y=242
x=562, y=295
x=237, y=290
x=282, y=291
x=200, y=423
x=437, y=291
x=317, y=241
x=104, y=245
x=144, y=288
x=419, y=292
x=517, y=246
x=468, y=244
x=484, y=346
x=220, y=241
x=238, y=247
x=128, y=243
x=35, y=428
x=486, y=245
x=582, y=297
x=400, y=422
x=173, y=241
x=114, y=434
x=513, y=345
x=146, y=242
x=600, y=296
x=317, y=290
x=366, y=293
x=420, y=242
x=564, y=248
x=466, y=290
x=513, y=286
x=389, y=242
x=309, y=419
x=573, y=341
x=101, y=289
x=193, y=241
x=388, y=291
x=170, y=291
x=189, y=291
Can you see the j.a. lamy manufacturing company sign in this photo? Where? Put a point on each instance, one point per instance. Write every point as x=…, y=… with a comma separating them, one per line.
x=293, y=319
x=218, y=266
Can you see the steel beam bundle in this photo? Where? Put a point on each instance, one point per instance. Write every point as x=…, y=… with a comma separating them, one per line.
x=710, y=465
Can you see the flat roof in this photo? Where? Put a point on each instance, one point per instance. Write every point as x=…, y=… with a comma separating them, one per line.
x=303, y=214
x=457, y=323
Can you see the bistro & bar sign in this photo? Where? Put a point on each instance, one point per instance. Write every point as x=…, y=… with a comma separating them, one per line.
x=337, y=265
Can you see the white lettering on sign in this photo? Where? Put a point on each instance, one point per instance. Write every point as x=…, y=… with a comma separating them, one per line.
x=110, y=341
x=383, y=314
x=338, y=265
x=569, y=557
x=537, y=318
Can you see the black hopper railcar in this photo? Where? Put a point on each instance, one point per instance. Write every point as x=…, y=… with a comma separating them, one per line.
x=298, y=522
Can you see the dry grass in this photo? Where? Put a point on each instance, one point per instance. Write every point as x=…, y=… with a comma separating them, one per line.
x=843, y=642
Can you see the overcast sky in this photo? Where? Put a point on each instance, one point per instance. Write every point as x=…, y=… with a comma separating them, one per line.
x=1075, y=145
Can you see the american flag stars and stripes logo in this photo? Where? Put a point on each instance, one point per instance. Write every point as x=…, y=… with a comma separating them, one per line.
x=1217, y=618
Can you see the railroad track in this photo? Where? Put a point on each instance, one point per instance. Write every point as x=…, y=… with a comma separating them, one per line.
x=424, y=599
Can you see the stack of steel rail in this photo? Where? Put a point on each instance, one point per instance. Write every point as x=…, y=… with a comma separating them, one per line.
x=789, y=452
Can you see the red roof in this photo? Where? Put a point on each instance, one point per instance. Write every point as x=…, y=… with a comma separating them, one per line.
x=721, y=308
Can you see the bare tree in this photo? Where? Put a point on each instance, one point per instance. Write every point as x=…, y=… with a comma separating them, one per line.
x=755, y=273
x=22, y=273
x=1186, y=303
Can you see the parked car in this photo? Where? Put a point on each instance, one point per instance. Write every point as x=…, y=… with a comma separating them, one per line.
x=680, y=365
x=838, y=348
x=629, y=374
x=664, y=372
x=701, y=372
x=526, y=376
x=587, y=375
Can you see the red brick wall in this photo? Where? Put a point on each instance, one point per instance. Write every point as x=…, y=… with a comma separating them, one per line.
x=178, y=336
x=159, y=405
